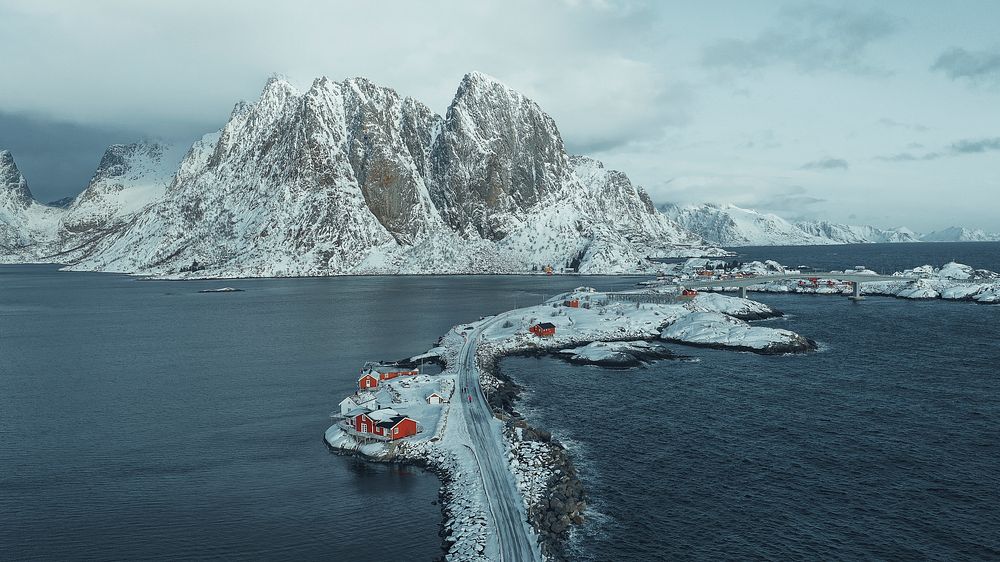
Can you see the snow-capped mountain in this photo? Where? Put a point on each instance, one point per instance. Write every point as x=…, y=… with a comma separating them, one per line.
x=837, y=233
x=729, y=225
x=350, y=177
x=25, y=224
x=959, y=234
x=129, y=177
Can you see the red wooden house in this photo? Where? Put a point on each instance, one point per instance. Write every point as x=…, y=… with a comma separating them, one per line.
x=543, y=329
x=366, y=381
x=386, y=423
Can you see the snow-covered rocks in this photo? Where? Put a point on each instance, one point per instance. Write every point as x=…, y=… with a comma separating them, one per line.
x=744, y=309
x=617, y=354
x=713, y=329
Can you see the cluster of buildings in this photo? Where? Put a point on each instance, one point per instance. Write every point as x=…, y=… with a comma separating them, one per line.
x=367, y=412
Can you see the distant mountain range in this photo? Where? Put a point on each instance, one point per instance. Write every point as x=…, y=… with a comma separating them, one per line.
x=349, y=178
x=729, y=225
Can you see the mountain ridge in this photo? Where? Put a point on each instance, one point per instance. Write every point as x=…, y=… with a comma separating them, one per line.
x=732, y=226
x=350, y=177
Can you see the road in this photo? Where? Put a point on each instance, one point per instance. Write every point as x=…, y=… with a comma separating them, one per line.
x=506, y=506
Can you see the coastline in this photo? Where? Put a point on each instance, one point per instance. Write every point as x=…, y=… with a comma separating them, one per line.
x=553, y=496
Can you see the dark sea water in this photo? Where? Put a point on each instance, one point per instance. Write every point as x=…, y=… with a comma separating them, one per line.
x=143, y=420
x=883, y=445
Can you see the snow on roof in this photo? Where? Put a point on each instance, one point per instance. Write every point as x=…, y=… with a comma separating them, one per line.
x=359, y=398
x=546, y=325
x=384, y=414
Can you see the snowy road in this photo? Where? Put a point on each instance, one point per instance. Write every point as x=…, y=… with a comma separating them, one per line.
x=506, y=507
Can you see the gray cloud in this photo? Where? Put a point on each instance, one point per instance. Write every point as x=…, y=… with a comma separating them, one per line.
x=909, y=157
x=968, y=146
x=957, y=148
x=979, y=67
x=826, y=164
x=57, y=157
x=893, y=124
x=809, y=38
x=793, y=199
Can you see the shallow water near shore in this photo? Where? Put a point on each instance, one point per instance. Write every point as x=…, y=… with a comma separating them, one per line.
x=884, y=445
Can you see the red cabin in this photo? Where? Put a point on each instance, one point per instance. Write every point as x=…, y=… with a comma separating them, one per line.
x=689, y=293
x=386, y=423
x=366, y=381
x=543, y=329
x=572, y=303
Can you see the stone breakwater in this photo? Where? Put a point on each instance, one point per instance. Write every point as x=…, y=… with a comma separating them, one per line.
x=554, y=495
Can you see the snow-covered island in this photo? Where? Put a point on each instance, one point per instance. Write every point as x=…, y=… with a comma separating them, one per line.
x=402, y=415
x=952, y=281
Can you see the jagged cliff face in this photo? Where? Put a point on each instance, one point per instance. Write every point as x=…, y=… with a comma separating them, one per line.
x=350, y=177
x=26, y=226
x=498, y=156
x=14, y=192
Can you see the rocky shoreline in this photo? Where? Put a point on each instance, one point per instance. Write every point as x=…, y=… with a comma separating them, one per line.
x=564, y=501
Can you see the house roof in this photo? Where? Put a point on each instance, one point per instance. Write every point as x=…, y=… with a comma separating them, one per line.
x=359, y=398
x=546, y=325
x=383, y=414
x=391, y=423
x=363, y=375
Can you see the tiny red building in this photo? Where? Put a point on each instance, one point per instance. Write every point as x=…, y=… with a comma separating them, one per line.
x=366, y=381
x=572, y=303
x=543, y=329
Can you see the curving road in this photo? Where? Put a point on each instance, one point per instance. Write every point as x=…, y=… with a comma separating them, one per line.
x=510, y=520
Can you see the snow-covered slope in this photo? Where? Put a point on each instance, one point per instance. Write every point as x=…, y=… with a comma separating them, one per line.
x=129, y=177
x=729, y=225
x=959, y=234
x=836, y=233
x=27, y=227
x=350, y=177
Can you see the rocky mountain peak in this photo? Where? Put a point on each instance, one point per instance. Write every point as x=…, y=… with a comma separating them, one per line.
x=498, y=154
x=13, y=186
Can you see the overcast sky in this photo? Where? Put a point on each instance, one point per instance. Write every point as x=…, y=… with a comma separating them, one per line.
x=887, y=115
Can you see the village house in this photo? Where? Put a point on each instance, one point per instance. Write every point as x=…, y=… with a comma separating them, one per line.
x=435, y=398
x=357, y=401
x=385, y=423
x=365, y=399
x=367, y=380
x=543, y=329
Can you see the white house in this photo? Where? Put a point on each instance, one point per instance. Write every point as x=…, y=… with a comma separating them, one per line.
x=357, y=401
x=435, y=398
